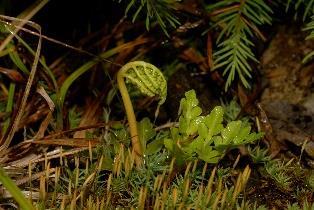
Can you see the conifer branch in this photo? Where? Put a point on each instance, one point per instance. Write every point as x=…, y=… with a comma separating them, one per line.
x=309, y=27
x=239, y=23
x=161, y=11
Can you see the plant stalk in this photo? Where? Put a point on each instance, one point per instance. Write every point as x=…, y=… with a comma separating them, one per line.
x=129, y=113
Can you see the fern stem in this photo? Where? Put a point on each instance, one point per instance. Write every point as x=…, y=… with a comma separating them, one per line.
x=129, y=111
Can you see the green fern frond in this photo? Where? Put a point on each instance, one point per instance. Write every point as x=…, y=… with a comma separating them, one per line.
x=155, y=10
x=239, y=20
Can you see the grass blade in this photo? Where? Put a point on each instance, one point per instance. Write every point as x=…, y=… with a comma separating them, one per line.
x=15, y=191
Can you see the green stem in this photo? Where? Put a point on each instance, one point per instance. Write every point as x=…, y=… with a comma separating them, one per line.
x=129, y=111
x=9, y=107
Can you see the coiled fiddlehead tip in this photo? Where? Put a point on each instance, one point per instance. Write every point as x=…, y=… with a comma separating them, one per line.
x=147, y=78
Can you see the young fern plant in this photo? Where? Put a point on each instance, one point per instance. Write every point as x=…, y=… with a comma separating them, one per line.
x=150, y=81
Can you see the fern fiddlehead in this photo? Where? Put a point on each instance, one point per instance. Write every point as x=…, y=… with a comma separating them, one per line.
x=150, y=81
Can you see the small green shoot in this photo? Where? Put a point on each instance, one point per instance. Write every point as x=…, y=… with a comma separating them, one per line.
x=278, y=172
x=259, y=155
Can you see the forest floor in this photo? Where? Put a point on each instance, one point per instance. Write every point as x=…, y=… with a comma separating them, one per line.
x=66, y=143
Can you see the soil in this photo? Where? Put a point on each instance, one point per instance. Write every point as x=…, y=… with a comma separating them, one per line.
x=288, y=99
